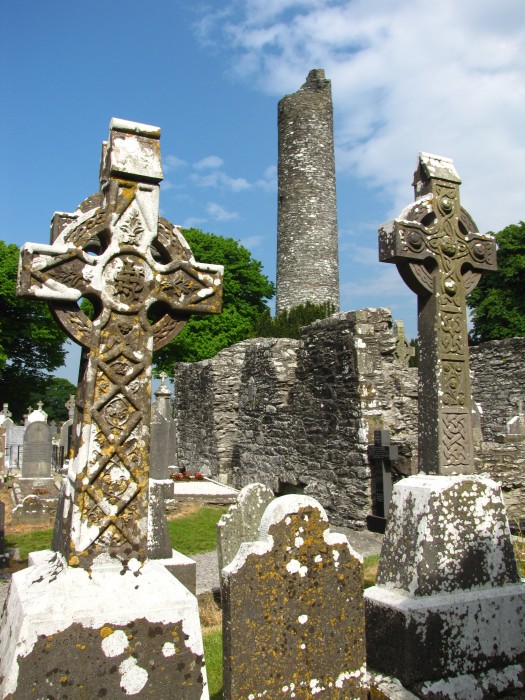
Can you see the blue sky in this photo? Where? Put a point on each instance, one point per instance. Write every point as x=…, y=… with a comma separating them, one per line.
x=445, y=77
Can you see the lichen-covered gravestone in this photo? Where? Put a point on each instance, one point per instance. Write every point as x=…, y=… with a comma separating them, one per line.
x=293, y=615
x=98, y=617
x=446, y=615
x=241, y=522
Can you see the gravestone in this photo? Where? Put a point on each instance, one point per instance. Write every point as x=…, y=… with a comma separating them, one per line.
x=37, y=451
x=440, y=255
x=446, y=615
x=97, y=613
x=241, y=522
x=4, y=558
x=163, y=433
x=403, y=350
x=381, y=455
x=293, y=617
x=36, y=415
x=66, y=430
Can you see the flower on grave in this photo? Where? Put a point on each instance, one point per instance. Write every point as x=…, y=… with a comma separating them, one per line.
x=198, y=476
x=179, y=477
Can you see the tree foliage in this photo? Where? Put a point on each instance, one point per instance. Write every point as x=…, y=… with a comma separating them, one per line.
x=498, y=302
x=31, y=343
x=54, y=394
x=245, y=292
x=288, y=323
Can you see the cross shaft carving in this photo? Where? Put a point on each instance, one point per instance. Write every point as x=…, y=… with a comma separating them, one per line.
x=440, y=255
x=116, y=252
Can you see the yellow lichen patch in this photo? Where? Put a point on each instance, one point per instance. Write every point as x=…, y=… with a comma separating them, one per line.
x=106, y=631
x=63, y=679
x=73, y=560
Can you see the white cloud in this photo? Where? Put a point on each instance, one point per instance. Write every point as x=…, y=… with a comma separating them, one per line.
x=208, y=163
x=170, y=163
x=409, y=76
x=193, y=222
x=220, y=213
x=252, y=242
x=218, y=178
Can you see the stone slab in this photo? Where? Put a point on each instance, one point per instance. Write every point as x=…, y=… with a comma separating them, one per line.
x=142, y=638
x=449, y=599
x=446, y=534
x=241, y=522
x=431, y=637
x=293, y=616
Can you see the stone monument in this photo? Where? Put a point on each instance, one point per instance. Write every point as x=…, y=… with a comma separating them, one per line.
x=113, y=619
x=241, y=522
x=163, y=444
x=440, y=255
x=293, y=615
x=36, y=460
x=446, y=615
x=307, y=247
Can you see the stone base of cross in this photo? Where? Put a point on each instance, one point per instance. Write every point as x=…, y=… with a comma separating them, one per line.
x=97, y=617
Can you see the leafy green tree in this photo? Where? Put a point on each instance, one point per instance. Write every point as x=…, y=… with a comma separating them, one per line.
x=288, y=323
x=498, y=302
x=31, y=343
x=54, y=394
x=245, y=292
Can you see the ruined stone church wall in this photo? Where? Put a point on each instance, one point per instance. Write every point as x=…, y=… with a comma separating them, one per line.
x=298, y=415
x=498, y=382
x=206, y=406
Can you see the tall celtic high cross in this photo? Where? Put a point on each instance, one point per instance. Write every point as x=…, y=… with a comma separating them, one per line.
x=143, y=282
x=440, y=255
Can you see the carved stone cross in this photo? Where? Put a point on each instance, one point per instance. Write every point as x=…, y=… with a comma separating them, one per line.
x=140, y=276
x=70, y=405
x=440, y=255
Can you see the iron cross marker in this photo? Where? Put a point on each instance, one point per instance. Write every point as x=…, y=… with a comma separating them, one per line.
x=440, y=255
x=143, y=282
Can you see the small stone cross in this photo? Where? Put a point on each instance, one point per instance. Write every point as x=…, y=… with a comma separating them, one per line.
x=143, y=282
x=403, y=350
x=382, y=453
x=440, y=255
x=70, y=405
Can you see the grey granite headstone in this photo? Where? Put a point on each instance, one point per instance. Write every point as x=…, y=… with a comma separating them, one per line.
x=37, y=451
x=293, y=615
x=241, y=522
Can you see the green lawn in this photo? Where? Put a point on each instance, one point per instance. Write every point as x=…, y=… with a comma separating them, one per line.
x=197, y=532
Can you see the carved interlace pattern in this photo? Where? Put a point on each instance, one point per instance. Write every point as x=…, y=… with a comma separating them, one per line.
x=111, y=490
x=440, y=253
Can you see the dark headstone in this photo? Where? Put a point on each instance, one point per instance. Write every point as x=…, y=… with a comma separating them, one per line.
x=381, y=455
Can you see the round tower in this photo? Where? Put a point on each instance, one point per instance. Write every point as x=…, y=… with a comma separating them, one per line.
x=307, y=251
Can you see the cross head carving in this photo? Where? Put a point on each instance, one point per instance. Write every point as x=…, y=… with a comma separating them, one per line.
x=441, y=255
x=140, y=276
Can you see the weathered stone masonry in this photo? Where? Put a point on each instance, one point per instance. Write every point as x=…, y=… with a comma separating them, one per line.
x=306, y=410
x=307, y=247
x=498, y=383
x=298, y=415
